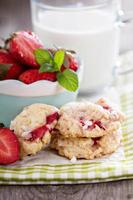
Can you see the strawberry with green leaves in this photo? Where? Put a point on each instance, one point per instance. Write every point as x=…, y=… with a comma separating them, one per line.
x=53, y=65
x=9, y=69
x=54, y=61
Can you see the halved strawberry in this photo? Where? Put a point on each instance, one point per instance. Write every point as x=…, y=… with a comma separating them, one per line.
x=9, y=69
x=33, y=75
x=9, y=146
x=22, y=45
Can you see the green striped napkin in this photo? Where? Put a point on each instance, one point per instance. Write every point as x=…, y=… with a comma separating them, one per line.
x=87, y=172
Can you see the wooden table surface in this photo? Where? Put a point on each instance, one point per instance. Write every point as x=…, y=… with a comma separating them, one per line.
x=15, y=15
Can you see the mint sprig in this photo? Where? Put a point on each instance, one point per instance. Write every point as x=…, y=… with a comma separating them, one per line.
x=52, y=62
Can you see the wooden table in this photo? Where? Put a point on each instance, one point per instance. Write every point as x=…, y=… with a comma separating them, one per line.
x=15, y=15
x=121, y=190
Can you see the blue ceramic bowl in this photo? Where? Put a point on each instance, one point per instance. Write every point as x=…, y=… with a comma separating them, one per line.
x=15, y=95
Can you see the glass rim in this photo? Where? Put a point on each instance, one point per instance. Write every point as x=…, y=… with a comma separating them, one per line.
x=78, y=8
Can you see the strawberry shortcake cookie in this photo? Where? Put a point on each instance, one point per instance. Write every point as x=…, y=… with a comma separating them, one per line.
x=87, y=130
x=33, y=127
x=87, y=148
x=86, y=119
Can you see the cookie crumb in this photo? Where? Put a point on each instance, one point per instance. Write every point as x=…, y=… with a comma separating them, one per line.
x=73, y=160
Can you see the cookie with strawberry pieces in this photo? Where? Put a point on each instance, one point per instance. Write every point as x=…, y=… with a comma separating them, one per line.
x=86, y=148
x=86, y=119
x=33, y=127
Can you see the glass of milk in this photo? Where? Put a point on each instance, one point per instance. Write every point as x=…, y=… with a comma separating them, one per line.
x=91, y=28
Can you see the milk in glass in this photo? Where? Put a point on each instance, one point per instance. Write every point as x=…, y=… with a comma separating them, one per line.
x=92, y=34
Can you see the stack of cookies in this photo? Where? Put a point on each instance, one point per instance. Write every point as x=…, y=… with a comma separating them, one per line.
x=87, y=130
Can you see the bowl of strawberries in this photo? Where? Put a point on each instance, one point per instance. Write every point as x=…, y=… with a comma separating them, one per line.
x=31, y=73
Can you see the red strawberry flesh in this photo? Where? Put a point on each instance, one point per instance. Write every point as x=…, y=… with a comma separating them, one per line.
x=95, y=140
x=52, y=117
x=9, y=146
x=99, y=123
x=94, y=124
x=106, y=107
x=39, y=132
x=82, y=121
x=22, y=45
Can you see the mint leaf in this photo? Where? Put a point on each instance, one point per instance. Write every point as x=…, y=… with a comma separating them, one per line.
x=59, y=58
x=42, y=56
x=68, y=79
x=47, y=67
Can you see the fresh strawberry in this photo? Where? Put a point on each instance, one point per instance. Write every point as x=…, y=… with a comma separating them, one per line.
x=9, y=146
x=73, y=64
x=33, y=75
x=9, y=69
x=22, y=45
x=50, y=76
x=29, y=76
x=38, y=133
